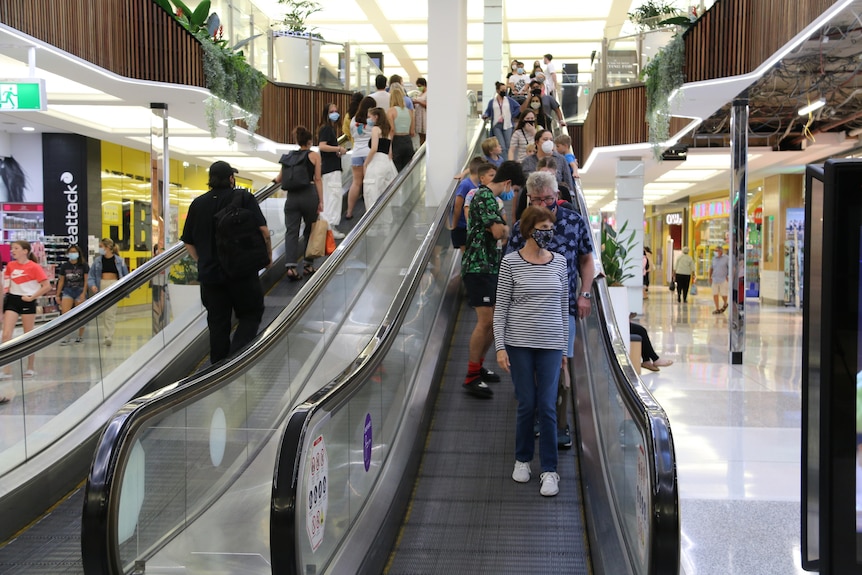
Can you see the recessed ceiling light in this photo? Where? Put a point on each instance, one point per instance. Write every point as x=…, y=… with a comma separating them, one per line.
x=28, y=128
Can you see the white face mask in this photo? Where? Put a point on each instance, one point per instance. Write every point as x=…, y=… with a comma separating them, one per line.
x=535, y=105
x=548, y=146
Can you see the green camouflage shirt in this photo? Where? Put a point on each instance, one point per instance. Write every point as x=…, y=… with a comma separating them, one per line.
x=482, y=256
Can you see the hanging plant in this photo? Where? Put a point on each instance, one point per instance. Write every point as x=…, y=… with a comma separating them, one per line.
x=653, y=14
x=662, y=75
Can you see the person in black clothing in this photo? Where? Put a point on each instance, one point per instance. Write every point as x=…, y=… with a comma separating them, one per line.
x=220, y=295
x=330, y=170
x=72, y=286
x=303, y=204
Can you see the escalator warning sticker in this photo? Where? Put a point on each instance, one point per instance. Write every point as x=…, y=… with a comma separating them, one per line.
x=315, y=519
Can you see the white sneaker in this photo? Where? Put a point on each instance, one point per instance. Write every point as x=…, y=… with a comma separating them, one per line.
x=337, y=235
x=550, y=484
x=522, y=472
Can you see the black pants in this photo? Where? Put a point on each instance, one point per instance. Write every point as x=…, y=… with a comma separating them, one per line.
x=647, y=351
x=244, y=297
x=299, y=206
x=402, y=151
x=682, y=283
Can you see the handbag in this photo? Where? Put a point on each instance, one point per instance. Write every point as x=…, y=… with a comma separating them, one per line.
x=672, y=285
x=693, y=289
x=330, y=242
x=316, y=247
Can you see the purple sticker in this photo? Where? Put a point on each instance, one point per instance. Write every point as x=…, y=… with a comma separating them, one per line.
x=366, y=442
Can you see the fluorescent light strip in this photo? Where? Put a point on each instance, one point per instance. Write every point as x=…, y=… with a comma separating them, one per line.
x=815, y=105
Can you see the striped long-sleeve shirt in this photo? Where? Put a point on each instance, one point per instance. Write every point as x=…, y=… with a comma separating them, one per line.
x=532, y=308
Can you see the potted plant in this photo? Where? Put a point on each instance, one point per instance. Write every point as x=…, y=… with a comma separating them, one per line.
x=618, y=253
x=653, y=14
x=292, y=42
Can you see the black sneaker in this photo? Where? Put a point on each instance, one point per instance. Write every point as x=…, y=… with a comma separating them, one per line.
x=489, y=376
x=564, y=438
x=478, y=388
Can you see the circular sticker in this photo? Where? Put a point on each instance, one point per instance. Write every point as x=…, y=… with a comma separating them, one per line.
x=316, y=484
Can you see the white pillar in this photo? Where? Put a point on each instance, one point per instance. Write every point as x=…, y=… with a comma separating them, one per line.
x=447, y=76
x=5, y=145
x=630, y=209
x=492, y=49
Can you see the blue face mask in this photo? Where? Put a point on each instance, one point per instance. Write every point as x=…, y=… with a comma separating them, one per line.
x=101, y=251
x=73, y=257
x=543, y=237
x=370, y=122
x=333, y=116
x=507, y=196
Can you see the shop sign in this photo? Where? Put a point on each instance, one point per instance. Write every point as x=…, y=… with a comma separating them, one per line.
x=713, y=209
x=758, y=216
x=21, y=95
x=673, y=219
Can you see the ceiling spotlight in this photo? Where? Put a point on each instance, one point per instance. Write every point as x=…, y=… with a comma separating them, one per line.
x=28, y=128
x=815, y=105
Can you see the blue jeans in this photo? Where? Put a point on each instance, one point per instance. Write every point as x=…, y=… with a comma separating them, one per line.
x=503, y=137
x=536, y=373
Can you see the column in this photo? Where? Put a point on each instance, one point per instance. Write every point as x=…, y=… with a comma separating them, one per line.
x=630, y=210
x=447, y=70
x=492, y=50
x=159, y=206
x=738, y=212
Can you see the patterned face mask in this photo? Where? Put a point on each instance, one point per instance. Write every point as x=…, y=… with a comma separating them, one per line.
x=543, y=237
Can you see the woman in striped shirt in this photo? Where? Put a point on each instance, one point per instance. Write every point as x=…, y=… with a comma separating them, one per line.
x=531, y=330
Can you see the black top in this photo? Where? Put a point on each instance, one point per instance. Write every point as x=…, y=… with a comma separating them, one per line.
x=329, y=161
x=109, y=266
x=383, y=145
x=75, y=275
x=199, y=230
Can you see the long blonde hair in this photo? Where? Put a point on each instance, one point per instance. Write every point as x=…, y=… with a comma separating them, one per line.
x=396, y=96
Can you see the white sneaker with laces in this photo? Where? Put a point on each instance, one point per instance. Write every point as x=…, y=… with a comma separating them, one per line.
x=337, y=235
x=522, y=472
x=550, y=484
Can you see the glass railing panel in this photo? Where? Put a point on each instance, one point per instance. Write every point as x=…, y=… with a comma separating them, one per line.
x=371, y=416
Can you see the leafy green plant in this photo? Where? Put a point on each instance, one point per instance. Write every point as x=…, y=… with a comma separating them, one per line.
x=297, y=13
x=662, y=75
x=652, y=14
x=184, y=271
x=617, y=253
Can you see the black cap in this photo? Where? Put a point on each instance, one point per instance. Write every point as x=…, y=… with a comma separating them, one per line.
x=222, y=169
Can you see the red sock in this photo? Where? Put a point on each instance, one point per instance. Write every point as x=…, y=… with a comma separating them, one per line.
x=474, y=371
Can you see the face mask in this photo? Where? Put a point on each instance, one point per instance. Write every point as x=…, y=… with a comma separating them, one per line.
x=101, y=251
x=370, y=122
x=520, y=70
x=73, y=257
x=543, y=237
x=530, y=122
x=548, y=146
x=422, y=88
x=535, y=105
x=502, y=93
x=507, y=196
x=333, y=116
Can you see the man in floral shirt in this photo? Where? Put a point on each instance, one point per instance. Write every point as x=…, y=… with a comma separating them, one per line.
x=572, y=239
x=480, y=266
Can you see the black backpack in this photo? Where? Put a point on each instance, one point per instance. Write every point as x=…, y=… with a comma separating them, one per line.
x=240, y=246
x=294, y=170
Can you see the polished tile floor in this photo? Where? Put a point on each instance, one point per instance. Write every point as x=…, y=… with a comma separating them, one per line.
x=736, y=430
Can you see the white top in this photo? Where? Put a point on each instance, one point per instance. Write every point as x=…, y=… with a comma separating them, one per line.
x=382, y=99
x=532, y=308
x=360, y=140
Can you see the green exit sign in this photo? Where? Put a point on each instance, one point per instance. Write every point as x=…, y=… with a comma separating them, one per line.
x=20, y=95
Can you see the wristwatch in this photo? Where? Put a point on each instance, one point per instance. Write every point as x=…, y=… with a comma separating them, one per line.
x=587, y=295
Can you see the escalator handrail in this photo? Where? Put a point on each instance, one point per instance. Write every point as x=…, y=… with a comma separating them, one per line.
x=79, y=316
x=652, y=421
x=98, y=548
x=337, y=392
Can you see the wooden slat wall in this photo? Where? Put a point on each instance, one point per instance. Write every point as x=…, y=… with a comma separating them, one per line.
x=616, y=117
x=137, y=39
x=736, y=36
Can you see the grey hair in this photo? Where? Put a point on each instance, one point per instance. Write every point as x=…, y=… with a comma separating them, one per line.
x=542, y=181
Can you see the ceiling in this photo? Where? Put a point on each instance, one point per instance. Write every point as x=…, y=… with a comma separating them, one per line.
x=118, y=110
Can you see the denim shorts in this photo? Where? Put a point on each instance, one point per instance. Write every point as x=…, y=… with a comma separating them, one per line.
x=357, y=161
x=72, y=292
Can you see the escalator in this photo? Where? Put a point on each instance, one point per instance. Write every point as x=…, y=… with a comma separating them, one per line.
x=60, y=413
x=300, y=455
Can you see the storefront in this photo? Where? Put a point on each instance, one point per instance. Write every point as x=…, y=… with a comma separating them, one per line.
x=710, y=229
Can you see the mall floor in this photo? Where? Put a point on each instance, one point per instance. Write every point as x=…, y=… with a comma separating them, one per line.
x=736, y=429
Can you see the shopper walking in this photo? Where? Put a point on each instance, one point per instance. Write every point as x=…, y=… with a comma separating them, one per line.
x=683, y=275
x=107, y=269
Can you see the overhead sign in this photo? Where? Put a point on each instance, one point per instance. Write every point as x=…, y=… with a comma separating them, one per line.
x=23, y=95
x=673, y=219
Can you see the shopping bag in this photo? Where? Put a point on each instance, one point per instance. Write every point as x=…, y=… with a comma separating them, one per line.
x=693, y=289
x=316, y=247
x=330, y=242
x=672, y=285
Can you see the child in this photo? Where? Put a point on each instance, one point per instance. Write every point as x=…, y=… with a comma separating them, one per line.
x=458, y=221
x=564, y=148
x=486, y=173
x=493, y=151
